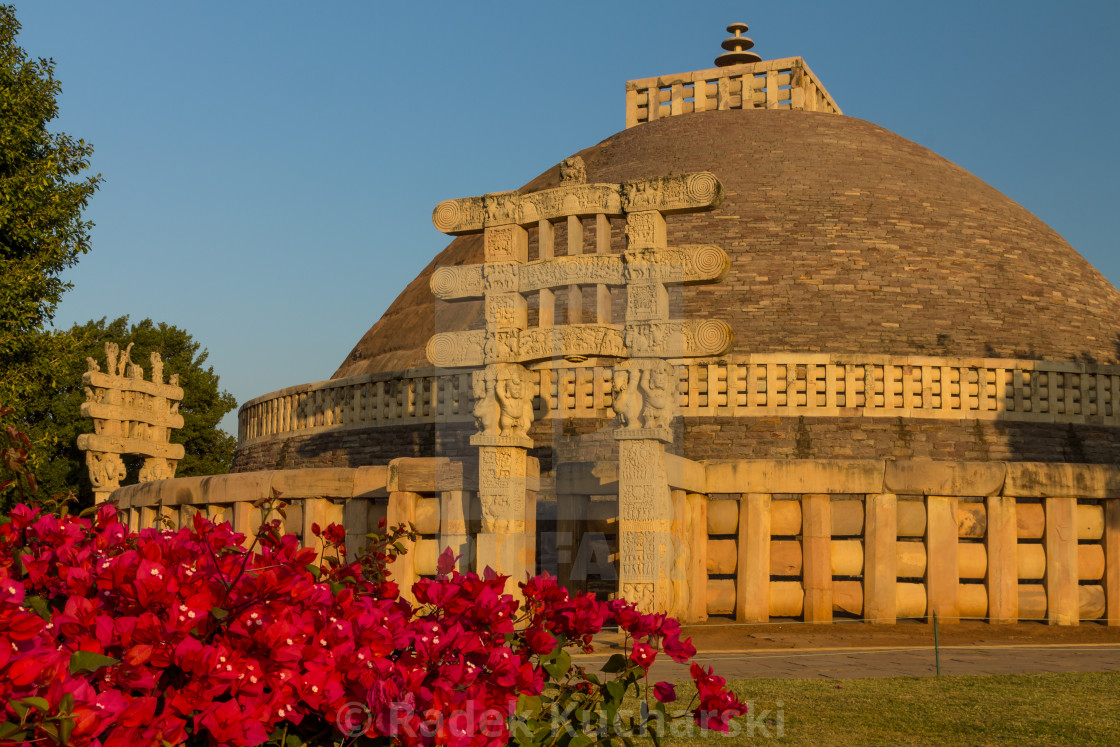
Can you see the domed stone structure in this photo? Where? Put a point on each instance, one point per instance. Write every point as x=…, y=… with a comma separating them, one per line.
x=846, y=241
x=844, y=237
x=922, y=381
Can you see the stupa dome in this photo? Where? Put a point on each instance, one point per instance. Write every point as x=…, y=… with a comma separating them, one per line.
x=844, y=238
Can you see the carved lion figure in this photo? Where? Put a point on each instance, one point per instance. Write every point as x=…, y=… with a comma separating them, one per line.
x=572, y=170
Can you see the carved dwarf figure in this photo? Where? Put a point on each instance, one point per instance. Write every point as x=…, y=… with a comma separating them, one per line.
x=486, y=410
x=626, y=400
x=657, y=399
x=516, y=404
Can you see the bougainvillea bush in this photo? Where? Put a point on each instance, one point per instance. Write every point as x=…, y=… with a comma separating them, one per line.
x=112, y=637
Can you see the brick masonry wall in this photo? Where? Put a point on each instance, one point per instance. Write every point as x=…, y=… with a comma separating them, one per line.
x=843, y=238
x=581, y=440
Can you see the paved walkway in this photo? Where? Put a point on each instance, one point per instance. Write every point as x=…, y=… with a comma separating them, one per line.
x=848, y=663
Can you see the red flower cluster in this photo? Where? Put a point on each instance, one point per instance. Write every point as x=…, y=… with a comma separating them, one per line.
x=109, y=637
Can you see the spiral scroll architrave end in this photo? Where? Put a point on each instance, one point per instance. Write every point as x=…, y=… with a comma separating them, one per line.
x=705, y=188
x=714, y=337
x=444, y=282
x=446, y=215
x=710, y=263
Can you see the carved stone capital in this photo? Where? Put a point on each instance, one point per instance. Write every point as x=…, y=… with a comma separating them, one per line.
x=157, y=468
x=520, y=442
x=503, y=406
x=643, y=396
x=106, y=470
x=664, y=435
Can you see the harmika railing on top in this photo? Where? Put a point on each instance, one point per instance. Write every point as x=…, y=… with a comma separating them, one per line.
x=813, y=385
x=772, y=84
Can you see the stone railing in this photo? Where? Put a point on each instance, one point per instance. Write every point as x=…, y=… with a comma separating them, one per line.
x=871, y=539
x=772, y=84
x=398, y=398
x=758, y=385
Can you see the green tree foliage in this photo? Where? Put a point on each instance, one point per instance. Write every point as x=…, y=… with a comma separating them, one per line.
x=54, y=417
x=41, y=203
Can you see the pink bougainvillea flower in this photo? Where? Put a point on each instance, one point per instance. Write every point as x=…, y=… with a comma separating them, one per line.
x=164, y=636
x=643, y=654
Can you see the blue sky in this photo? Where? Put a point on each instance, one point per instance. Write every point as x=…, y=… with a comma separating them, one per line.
x=271, y=167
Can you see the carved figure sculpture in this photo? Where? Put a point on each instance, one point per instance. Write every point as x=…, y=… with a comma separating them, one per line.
x=124, y=362
x=626, y=400
x=573, y=171
x=157, y=368
x=105, y=470
x=92, y=365
x=487, y=411
x=657, y=399
x=155, y=468
x=516, y=405
x=111, y=352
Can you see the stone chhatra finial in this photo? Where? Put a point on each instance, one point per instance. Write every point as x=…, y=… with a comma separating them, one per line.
x=737, y=47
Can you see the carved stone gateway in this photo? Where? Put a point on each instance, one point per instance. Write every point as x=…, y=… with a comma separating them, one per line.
x=644, y=390
x=130, y=416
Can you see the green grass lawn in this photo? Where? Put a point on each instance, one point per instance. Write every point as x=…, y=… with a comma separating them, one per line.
x=1079, y=708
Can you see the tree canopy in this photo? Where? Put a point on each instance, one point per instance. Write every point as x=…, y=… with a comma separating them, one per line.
x=42, y=196
x=54, y=419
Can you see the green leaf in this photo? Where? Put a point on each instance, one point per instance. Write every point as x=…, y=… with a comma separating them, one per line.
x=12, y=732
x=65, y=727
x=528, y=706
x=616, y=690
x=19, y=708
x=66, y=705
x=616, y=663
x=314, y=570
x=219, y=613
x=38, y=605
x=580, y=740
x=88, y=661
x=559, y=665
x=39, y=704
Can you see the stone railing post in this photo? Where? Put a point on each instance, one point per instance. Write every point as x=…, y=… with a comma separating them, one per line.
x=880, y=558
x=752, y=587
x=1001, y=539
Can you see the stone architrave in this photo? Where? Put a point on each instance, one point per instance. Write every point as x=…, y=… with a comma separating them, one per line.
x=643, y=385
x=130, y=415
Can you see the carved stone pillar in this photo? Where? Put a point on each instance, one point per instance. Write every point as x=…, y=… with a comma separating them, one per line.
x=105, y=473
x=505, y=543
x=645, y=507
